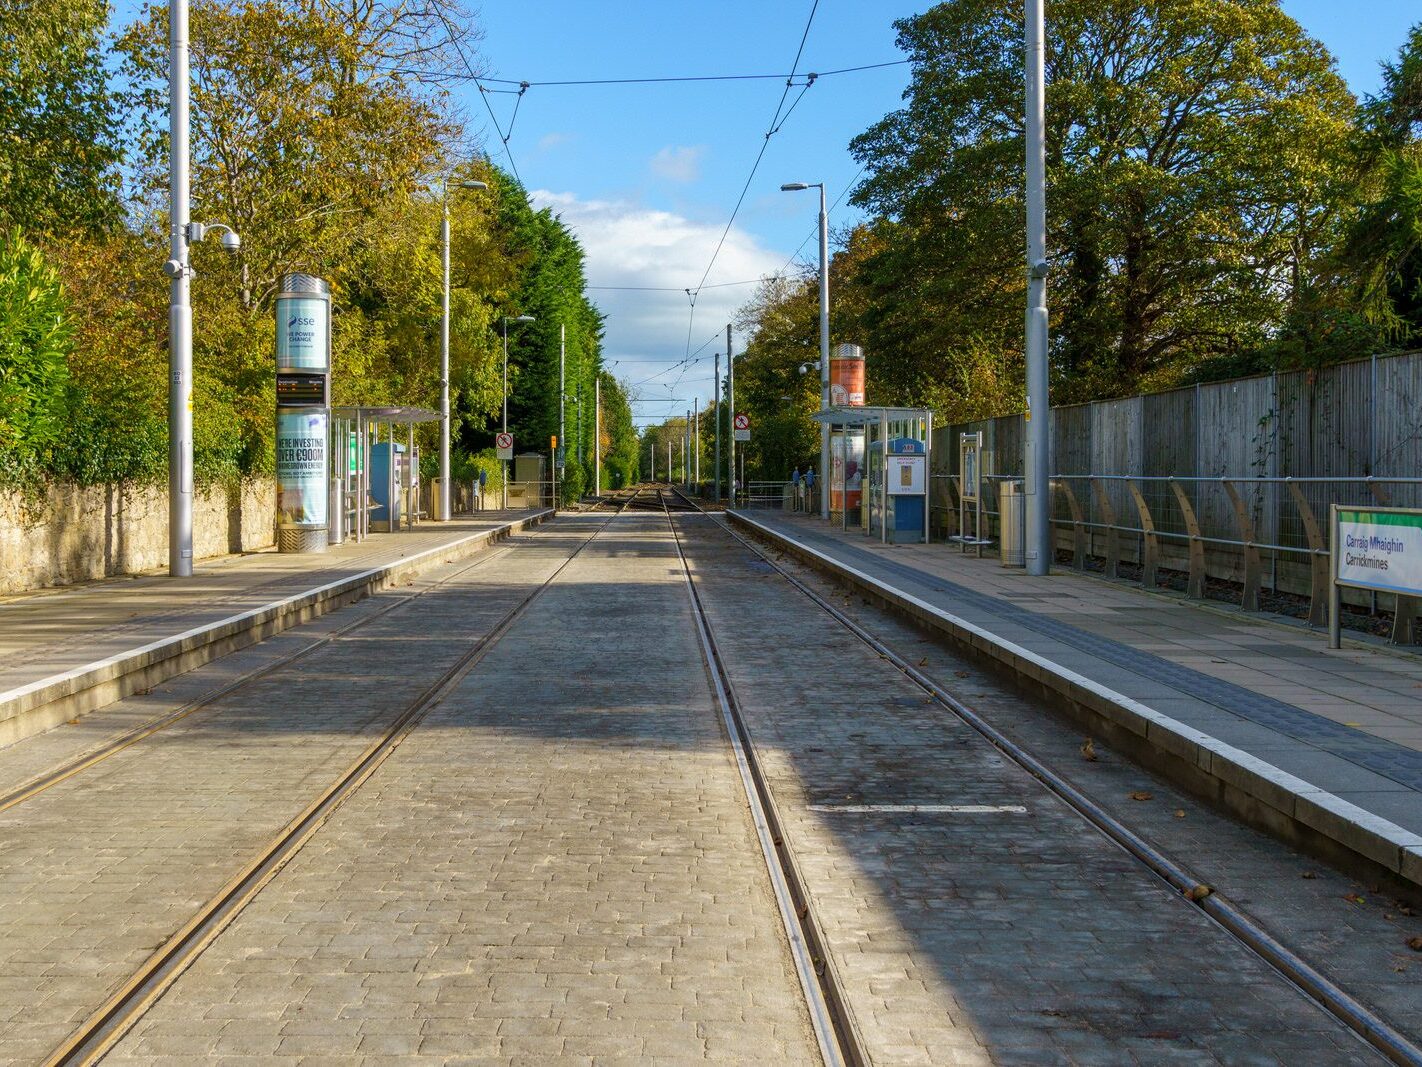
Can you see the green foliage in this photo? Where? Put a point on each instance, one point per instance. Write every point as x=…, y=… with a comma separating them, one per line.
x=620, y=445
x=1196, y=169
x=1382, y=257
x=36, y=334
x=58, y=124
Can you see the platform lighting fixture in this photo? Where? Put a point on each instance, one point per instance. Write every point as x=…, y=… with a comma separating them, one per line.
x=505, y=425
x=795, y=187
x=444, y=349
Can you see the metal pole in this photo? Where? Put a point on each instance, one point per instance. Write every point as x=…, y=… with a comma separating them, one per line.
x=824, y=356
x=562, y=438
x=580, y=424
x=731, y=410
x=442, y=509
x=696, y=437
x=505, y=426
x=1037, y=439
x=716, y=418
x=180, y=312
x=597, y=436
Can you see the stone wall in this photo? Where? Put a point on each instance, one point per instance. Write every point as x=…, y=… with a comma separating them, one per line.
x=76, y=533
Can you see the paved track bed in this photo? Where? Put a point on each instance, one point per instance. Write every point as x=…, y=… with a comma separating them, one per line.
x=979, y=933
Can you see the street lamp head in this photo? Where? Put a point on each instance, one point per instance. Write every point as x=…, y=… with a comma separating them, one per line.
x=526, y=318
x=471, y=184
x=794, y=187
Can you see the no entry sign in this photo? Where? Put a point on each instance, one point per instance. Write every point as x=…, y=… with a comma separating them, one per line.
x=504, y=443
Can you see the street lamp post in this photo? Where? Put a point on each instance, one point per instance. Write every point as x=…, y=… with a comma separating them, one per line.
x=790, y=187
x=505, y=425
x=444, y=354
x=1037, y=488
x=183, y=232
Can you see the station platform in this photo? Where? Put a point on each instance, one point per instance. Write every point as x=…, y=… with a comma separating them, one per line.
x=1323, y=747
x=65, y=652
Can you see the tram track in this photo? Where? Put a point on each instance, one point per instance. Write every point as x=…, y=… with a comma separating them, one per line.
x=825, y=998
x=1198, y=892
x=122, y=1009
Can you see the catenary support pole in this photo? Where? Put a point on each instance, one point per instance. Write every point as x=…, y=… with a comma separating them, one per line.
x=1037, y=553
x=180, y=312
x=696, y=437
x=562, y=449
x=504, y=426
x=597, y=435
x=716, y=419
x=442, y=505
x=824, y=357
x=731, y=411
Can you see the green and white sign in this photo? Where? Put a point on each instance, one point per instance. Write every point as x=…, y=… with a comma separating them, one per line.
x=1379, y=549
x=301, y=466
x=303, y=333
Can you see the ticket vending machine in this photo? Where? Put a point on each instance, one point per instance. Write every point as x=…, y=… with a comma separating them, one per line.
x=386, y=486
x=903, y=486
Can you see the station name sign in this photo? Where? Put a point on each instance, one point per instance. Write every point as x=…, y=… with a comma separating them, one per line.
x=1379, y=549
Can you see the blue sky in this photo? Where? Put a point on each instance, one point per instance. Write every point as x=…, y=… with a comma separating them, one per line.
x=648, y=175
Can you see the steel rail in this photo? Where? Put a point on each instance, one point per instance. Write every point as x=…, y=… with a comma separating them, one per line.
x=107, y=1025
x=1366, y=1024
x=830, y=1016
x=38, y=784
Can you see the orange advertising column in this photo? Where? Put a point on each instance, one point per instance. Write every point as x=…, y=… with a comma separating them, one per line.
x=847, y=446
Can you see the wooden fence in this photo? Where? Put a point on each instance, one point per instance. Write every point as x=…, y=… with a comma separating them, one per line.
x=1231, y=480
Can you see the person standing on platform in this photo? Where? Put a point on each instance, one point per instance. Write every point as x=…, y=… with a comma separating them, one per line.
x=795, y=487
x=810, y=489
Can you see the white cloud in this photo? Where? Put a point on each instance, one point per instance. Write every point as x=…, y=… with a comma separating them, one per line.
x=678, y=163
x=553, y=140
x=628, y=244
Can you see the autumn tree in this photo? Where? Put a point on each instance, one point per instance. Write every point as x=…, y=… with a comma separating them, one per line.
x=1196, y=166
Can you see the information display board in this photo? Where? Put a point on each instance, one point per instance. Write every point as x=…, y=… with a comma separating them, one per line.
x=301, y=462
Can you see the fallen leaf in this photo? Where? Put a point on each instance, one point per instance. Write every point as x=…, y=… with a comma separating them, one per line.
x=1180, y=813
x=923, y=662
x=1309, y=874
x=1088, y=749
x=1415, y=944
x=1141, y=794
x=960, y=674
x=1199, y=892
x=1354, y=898
x=1404, y=909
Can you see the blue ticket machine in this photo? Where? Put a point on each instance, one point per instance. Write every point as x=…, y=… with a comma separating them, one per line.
x=385, y=485
x=906, y=478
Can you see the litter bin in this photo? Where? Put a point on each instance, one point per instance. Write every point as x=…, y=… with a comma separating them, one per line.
x=1012, y=522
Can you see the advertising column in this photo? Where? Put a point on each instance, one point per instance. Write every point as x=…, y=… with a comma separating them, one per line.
x=847, y=446
x=303, y=366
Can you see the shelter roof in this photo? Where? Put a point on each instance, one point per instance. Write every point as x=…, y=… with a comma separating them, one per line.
x=863, y=416
x=401, y=414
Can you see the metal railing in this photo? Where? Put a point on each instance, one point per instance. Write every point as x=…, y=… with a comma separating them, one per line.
x=1252, y=531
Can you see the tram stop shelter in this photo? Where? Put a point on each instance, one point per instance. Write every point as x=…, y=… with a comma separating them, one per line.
x=375, y=480
x=892, y=446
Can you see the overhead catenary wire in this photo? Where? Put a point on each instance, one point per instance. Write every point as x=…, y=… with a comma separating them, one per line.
x=774, y=127
x=699, y=77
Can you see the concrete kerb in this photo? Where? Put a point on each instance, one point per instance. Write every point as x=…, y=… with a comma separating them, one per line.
x=38, y=705
x=1263, y=794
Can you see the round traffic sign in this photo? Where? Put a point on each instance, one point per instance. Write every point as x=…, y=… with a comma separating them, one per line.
x=743, y=422
x=503, y=440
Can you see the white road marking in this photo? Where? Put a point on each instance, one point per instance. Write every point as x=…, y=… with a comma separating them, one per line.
x=921, y=809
